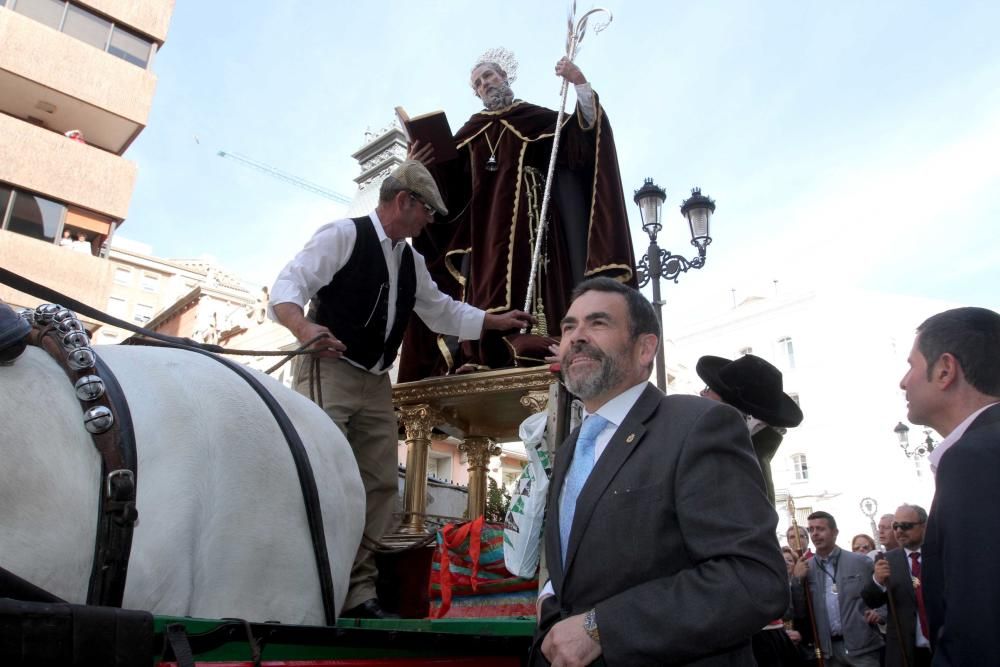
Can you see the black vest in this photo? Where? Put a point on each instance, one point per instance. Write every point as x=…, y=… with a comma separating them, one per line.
x=355, y=304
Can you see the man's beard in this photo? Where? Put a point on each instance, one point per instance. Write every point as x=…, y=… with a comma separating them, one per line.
x=610, y=375
x=499, y=97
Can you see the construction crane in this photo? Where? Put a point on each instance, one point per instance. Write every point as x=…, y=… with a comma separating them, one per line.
x=288, y=178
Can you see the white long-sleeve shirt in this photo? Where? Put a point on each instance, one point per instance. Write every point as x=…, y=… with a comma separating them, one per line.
x=328, y=251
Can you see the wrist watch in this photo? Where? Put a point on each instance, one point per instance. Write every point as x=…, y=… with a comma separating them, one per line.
x=590, y=625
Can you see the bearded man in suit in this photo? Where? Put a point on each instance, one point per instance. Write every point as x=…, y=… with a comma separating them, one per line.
x=660, y=539
x=953, y=386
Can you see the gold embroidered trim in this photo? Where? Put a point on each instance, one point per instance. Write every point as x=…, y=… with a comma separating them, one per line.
x=445, y=352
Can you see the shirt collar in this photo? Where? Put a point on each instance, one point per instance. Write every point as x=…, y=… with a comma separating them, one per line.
x=832, y=557
x=618, y=407
x=935, y=457
x=911, y=551
x=379, y=231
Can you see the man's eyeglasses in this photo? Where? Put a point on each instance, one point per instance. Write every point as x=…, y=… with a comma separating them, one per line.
x=905, y=525
x=427, y=207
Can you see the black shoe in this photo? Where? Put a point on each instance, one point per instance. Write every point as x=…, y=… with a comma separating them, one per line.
x=368, y=609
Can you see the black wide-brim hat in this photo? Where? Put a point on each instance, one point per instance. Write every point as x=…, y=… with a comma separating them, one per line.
x=751, y=385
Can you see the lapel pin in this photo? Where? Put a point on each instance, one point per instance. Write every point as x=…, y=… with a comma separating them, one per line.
x=630, y=438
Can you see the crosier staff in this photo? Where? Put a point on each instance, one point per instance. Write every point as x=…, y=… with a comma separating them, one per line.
x=805, y=586
x=575, y=35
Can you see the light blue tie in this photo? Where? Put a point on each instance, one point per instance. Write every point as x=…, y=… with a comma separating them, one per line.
x=579, y=471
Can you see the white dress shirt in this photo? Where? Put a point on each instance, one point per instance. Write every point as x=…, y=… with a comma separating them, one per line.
x=328, y=251
x=953, y=437
x=615, y=412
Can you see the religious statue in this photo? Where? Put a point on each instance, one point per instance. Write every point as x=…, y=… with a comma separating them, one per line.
x=494, y=190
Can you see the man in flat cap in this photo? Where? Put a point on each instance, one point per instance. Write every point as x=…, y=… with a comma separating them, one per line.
x=363, y=281
x=755, y=388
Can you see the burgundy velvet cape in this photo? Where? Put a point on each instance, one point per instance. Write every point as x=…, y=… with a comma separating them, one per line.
x=483, y=256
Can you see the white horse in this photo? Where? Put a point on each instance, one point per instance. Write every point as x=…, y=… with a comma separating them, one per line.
x=222, y=526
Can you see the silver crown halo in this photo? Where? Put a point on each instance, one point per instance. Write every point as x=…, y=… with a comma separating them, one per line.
x=502, y=57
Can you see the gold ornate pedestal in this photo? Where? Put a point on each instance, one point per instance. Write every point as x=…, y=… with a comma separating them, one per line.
x=480, y=409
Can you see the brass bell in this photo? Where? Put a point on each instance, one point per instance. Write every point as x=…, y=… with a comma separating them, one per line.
x=98, y=419
x=89, y=388
x=44, y=313
x=81, y=358
x=69, y=324
x=62, y=315
x=75, y=339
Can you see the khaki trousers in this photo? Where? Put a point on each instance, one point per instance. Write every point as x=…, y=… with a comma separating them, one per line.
x=360, y=403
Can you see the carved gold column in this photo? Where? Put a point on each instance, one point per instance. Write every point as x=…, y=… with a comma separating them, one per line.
x=418, y=420
x=479, y=449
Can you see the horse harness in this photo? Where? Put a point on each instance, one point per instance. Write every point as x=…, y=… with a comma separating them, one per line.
x=107, y=418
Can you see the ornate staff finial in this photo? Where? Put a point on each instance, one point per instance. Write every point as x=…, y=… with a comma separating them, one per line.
x=576, y=31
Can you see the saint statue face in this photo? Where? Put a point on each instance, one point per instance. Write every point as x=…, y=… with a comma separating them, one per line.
x=491, y=86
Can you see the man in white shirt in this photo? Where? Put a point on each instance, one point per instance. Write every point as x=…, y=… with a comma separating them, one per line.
x=898, y=575
x=363, y=281
x=660, y=539
x=953, y=386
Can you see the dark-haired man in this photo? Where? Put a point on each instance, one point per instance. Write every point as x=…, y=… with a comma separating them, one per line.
x=835, y=578
x=953, y=386
x=364, y=281
x=897, y=574
x=656, y=508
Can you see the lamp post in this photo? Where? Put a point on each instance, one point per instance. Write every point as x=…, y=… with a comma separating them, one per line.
x=659, y=263
x=922, y=448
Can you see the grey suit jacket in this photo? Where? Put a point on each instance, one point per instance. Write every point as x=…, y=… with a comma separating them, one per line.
x=853, y=571
x=961, y=586
x=905, y=604
x=673, y=539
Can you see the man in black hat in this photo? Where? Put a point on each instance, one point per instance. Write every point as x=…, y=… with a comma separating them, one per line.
x=755, y=388
x=364, y=281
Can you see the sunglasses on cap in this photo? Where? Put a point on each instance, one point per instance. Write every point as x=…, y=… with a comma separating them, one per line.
x=905, y=525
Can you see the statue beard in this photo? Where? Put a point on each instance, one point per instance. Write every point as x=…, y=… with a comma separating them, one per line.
x=499, y=97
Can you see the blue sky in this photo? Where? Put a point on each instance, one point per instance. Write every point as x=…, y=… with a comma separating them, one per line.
x=850, y=143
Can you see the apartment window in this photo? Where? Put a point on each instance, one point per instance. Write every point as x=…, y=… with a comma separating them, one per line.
x=801, y=467
x=49, y=12
x=439, y=466
x=143, y=313
x=83, y=24
x=35, y=216
x=150, y=283
x=87, y=27
x=129, y=47
x=786, y=349
x=116, y=307
x=123, y=276
x=5, y=195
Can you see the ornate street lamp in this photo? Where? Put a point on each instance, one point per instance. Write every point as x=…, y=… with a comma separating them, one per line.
x=922, y=448
x=659, y=263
